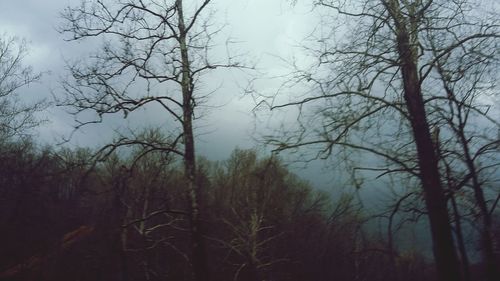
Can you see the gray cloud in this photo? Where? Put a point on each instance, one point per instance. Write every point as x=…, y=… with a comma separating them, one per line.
x=264, y=30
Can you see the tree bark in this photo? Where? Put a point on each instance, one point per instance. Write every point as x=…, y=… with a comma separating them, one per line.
x=198, y=255
x=444, y=252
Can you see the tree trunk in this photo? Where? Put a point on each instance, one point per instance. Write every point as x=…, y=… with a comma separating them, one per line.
x=486, y=233
x=444, y=252
x=486, y=236
x=198, y=255
x=456, y=214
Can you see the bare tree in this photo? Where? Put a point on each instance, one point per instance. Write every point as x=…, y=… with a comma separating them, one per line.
x=154, y=56
x=373, y=86
x=16, y=116
x=255, y=187
x=469, y=132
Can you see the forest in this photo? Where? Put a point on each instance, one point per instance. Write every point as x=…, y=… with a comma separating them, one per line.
x=393, y=95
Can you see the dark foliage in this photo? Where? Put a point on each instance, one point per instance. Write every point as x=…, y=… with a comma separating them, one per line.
x=64, y=219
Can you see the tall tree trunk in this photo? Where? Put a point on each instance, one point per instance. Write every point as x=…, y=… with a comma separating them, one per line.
x=486, y=235
x=198, y=255
x=492, y=272
x=456, y=214
x=444, y=251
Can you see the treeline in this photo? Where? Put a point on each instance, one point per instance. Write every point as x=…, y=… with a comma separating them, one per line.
x=67, y=216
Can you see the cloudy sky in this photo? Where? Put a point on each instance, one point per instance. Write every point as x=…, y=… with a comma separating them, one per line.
x=264, y=29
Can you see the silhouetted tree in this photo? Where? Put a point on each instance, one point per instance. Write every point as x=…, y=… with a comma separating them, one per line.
x=16, y=115
x=154, y=55
x=372, y=91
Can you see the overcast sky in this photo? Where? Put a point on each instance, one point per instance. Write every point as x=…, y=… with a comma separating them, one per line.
x=265, y=29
